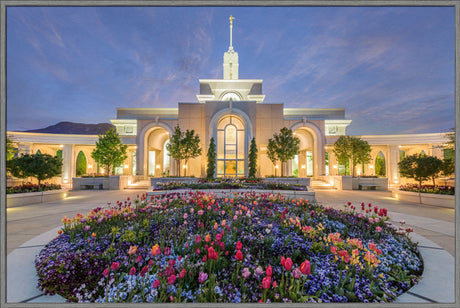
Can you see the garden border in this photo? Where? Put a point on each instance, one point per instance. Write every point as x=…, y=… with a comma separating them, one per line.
x=21, y=199
x=447, y=201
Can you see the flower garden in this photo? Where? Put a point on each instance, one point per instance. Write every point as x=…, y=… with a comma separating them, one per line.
x=29, y=187
x=195, y=247
x=230, y=183
x=429, y=189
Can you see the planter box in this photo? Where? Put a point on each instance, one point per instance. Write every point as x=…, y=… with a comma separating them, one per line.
x=292, y=181
x=350, y=183
x=112, y=182
x=306, y=195
x=21, y=199
x=153, y=181
x=429, y=199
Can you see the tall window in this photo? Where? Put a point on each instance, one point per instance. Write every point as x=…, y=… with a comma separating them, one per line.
x=230, y=147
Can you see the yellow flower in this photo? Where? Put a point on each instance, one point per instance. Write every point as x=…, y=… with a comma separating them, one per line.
x=93, y=235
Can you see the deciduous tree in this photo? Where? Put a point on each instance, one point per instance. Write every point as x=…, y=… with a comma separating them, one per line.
x=39, y=166
x=283, y=146
x=109, y=152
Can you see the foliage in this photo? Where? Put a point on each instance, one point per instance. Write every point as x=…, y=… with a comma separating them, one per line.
x=236, y=183
x=348, y=148
x=448, y=166
x=212, y=156
x=190, y=147
x=380, y=168
x=174, y=146
x=10, y=149
x=252, y=159
x=420, y=167
x=39, y=166
x=429, y=189
x=29, y=187
x=194, y=247
x=183, y=146
x=80, y=164
x=282, y=147
x=109, y=152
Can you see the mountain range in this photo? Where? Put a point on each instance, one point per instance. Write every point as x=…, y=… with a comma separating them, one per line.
x=75, y=128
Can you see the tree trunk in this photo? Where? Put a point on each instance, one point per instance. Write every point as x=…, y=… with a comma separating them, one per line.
x=185, y=169
x=420, y=191
x=282, y=169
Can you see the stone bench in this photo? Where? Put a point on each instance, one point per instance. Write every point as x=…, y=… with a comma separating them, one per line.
x=93, y=186
x=369, y=186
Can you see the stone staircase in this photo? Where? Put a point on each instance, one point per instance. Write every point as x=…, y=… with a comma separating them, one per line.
x=144, y=185
x=321, y=185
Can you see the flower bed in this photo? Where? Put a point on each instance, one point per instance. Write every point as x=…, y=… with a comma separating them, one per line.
x=29, y=187
x=229, y=184
x=194, y=247
x=429, y=189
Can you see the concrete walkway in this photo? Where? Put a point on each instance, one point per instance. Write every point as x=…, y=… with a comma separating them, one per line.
x=28, y=230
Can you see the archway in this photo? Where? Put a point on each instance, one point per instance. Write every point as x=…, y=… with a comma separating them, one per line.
x=380, y=167
x=311, y=149
x=156, y=151
x=80, y=164
x=145, y=143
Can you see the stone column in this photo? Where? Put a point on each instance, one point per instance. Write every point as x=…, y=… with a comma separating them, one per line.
x=68, y=164
x=393, y=159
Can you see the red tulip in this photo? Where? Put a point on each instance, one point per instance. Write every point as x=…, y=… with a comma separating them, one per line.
x=283, y=260
x=156, y=284
x=172, y=279
x=105, y=272
x=239, y=245
x=144, y=271
x=212, y=254
x=266, y=282
x=132, y=271
x=269, y=270
x=288, y=264
x=114, y=266
x=182, y=273
x=305, y=267
x=239, y=255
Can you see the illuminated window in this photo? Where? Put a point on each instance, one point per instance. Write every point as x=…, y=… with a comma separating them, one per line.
x=230, y=147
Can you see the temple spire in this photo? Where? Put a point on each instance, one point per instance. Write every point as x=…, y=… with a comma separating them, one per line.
x=231, y=57
x=231, y=29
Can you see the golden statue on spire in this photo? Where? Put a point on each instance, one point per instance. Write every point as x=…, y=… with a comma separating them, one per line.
x=231, y=20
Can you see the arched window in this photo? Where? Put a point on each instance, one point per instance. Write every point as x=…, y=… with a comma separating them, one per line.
x=81, y=164
x=230, y=147
x=380, y=168
x=230, y=96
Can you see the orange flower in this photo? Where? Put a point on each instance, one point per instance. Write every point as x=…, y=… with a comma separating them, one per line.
x=156, y=250
x=207, y=238
x=93, y=235
x=132, y=250
x=59, y=232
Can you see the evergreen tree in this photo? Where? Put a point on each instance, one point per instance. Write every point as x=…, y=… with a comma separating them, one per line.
x=109, y=152
x=212, y=156
x=252, y=159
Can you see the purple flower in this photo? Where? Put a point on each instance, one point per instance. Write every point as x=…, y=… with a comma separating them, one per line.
x=202, y=277
x=246, y=273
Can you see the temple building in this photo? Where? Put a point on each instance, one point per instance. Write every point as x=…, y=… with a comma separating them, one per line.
x=232, y=111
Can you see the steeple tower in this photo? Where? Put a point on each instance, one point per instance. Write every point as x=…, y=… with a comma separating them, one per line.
x=231, y=58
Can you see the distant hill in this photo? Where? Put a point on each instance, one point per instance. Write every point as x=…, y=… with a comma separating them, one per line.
x=75, y=128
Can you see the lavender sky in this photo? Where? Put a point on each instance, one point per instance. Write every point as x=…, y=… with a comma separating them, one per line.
x=392, y=68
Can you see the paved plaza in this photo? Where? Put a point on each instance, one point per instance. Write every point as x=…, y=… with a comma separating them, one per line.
x=32, y=226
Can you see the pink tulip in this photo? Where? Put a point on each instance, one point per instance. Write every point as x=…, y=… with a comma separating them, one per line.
x=156, y=284
x=266, y=282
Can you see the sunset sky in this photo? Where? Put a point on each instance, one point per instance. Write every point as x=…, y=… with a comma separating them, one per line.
x=391, y=68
